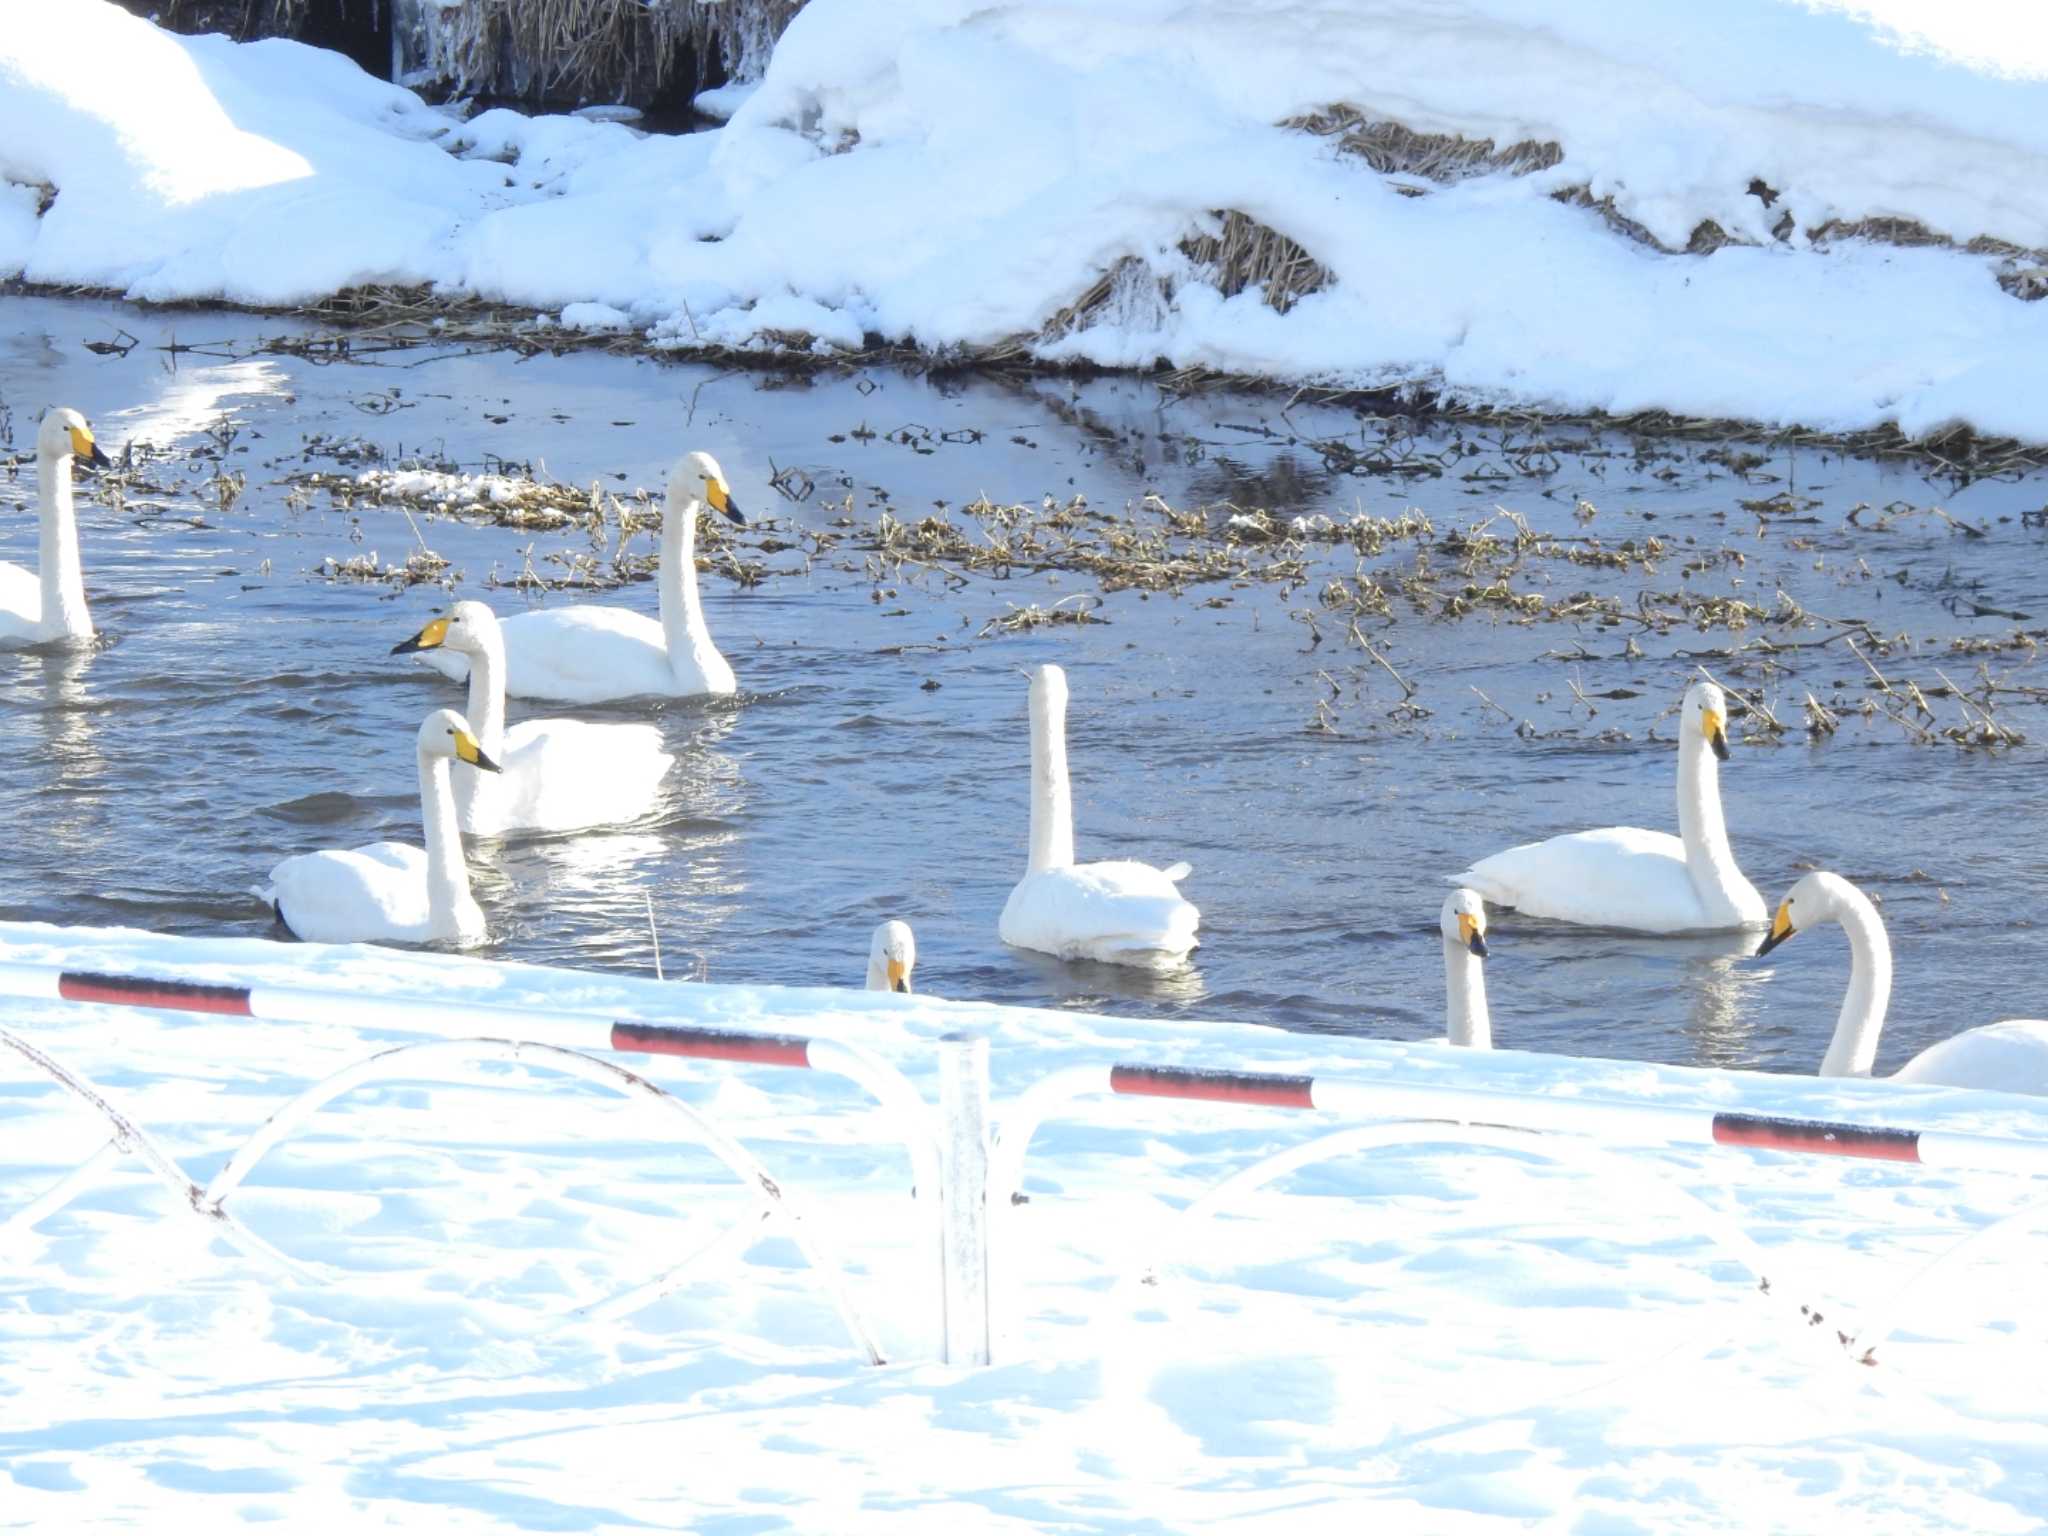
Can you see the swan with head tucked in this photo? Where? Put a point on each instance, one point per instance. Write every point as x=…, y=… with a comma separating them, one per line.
x=385, y=892
x=589, y=653
x=892, y=956
x=1464, y=929
x=49, y=604
x=1626, y=877
x=2011, y=1055
x=1119, y=911
x=555, y=775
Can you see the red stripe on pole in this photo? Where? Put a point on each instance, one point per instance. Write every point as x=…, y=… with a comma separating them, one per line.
x=1219, y=1087
x=712, y=1044
x=1817, y=1136
x=146, y=992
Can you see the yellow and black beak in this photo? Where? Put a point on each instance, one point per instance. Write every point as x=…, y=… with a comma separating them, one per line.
x=1781, y=930
x=85, y=451
x=899, y=976
x=721, y=500
x=467, y=749
x=1471, y=934
x=434, y=634
x=1716, y=731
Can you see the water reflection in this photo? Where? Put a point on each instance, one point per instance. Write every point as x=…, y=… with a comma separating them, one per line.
x=192, y=400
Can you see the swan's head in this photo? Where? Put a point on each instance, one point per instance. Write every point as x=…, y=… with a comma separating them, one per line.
x=64, y=435
x=447, y=734
x=1818, y=898
x=1464, y=921
x=892, y=956
x=1706, y=715
x=1049, y=688
x=698, y=478
x=467, y=627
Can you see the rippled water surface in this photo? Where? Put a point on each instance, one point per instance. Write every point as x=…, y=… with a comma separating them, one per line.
x=242, y=706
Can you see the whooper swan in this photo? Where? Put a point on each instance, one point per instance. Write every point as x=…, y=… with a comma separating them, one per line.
x=50, y=603
x=2011, y=1055
x=557, y=775
x=1625, y=877
x=1464, y=930
x=589, y=653
x=1119, y=911
x=892, y=956
x=386, y=892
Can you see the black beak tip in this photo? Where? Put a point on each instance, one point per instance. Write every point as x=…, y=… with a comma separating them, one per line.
x=1771, y=942
x=1720, y=745
x=484, y=762
x=732, y=511
x=1478, y=945
x=901, y=986
x=404, y=647
x=97, y=459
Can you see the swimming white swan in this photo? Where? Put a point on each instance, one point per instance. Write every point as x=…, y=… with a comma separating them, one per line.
x=50, y=603
x=393, y=891
x=1118, y=911
x=1464, y=930
x=2011, y=1055
x=1625, y=877
x=892, y=956
x=589, y=653
x=556, y=775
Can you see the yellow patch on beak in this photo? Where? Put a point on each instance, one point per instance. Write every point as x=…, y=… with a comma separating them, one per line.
x=434, y=634
x=466, y=745
x=716, y=493
x=899, y=975
x=1781, y=929
x=1466, y=924
x=81, y=442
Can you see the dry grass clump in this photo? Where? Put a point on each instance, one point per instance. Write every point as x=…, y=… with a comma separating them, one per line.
x=1244, y=253
x=514, y=498
x=421, y=568
x=1392, y=148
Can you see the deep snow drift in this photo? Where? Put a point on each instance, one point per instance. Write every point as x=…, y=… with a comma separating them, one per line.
x=961, y=175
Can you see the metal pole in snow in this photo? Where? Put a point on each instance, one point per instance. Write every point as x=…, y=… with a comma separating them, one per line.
x=963, y=1195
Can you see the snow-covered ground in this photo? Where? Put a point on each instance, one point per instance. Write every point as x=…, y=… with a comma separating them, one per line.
x=958, y=173
x=1555, y=1333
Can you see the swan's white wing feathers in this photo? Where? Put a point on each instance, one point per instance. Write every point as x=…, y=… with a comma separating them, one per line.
x=1118, y=911
x=21, y=603
x=346, y=895
x=563, y=775
x=2010, y=1056
x=1614, y=877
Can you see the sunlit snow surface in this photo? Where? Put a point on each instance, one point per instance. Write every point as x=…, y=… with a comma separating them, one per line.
x=956, y=172
x=1541, y=1332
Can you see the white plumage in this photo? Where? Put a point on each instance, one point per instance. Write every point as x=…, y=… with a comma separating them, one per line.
x=557, y=775
x=1119, y=911
x=892, y=956
x=1463, y=925
x=1627, y=877
x=48, y=603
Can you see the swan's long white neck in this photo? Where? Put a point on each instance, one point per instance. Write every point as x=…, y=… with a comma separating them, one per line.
x=486, y=710
x=1465, y=1017
x=1708, y=858
x=682, y=612
x=1052, y=798
x=1853, y=1051
x=64, y=610
x=447, y=872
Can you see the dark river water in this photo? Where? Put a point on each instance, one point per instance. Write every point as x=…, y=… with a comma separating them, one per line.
x=243, y=706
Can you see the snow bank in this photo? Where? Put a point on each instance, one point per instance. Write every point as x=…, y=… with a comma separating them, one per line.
x=958, y=174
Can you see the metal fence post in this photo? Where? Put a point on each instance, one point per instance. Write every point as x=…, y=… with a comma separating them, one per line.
x=963, y=1195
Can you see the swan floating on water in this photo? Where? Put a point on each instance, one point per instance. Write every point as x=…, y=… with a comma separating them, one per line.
x=892, y=956
x=1119, y=910
x=590, y=653
x=1464, y=930
x=49, y=604
x=386, y=892
x=1626, y=877
x=555, y=775
x=2011, y=1055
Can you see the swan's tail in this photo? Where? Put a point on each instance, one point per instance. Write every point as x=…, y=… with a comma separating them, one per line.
x=1178, y=872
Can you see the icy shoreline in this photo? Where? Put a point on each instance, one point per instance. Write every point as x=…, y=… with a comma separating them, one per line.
x=1686, y=236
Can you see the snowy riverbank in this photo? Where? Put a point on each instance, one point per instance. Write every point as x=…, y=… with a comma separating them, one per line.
x=1682, y=209
x=1542, y=1333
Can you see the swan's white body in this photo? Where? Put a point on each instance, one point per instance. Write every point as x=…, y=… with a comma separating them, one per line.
x=2011, y=1055
x=48, y=603
x=1118, y=911
x=1626, y=877
x=557, y=775
x=392, y=892
x=892, y=956
x=1463, y=924
x=589, y=653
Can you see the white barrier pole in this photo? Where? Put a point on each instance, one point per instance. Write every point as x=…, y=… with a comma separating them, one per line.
x=963, y=1195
